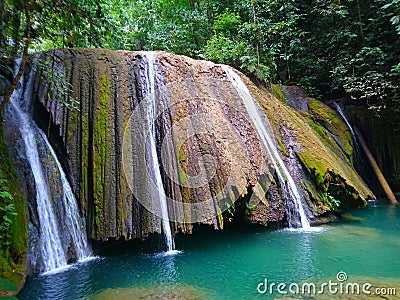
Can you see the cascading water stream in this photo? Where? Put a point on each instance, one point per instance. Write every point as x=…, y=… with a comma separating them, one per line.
x=52, y=251
x=359, y=162
x=341, y=113
x=151, y=116
x=51, y=248
x=356, y=135
x=285, y=179
x=72, y=216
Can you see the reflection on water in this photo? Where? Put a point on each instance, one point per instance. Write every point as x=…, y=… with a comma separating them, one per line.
x=166, y=269
x=306, y=255
x=230, y=265
x=59, y=285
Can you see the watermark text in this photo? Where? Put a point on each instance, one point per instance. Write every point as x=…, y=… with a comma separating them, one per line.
x=339, y=286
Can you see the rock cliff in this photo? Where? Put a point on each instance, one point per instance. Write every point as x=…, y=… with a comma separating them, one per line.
x=214, y=167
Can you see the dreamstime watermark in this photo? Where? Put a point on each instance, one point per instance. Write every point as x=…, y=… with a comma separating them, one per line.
x=340, y=286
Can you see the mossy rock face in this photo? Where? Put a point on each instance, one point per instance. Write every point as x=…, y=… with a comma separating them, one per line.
x=330, y=120
x=111, y=85
x=324, y=120
x=13, y=249
x=328, y=165
x=277, y=89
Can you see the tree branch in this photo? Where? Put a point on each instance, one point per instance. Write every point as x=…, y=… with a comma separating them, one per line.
x=14, y=83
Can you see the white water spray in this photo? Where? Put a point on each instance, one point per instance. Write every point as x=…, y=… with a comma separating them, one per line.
x=285, y=179
x=341, y=113
x=151, y=117
x=51, y=248
x=72, y=216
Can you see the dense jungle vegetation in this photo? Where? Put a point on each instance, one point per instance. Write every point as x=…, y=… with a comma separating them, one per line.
x=331, y=48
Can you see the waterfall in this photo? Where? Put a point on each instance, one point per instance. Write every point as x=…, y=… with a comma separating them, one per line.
x=359, y=163
x=341, y=113
x=356, y=135
x=285, y=179
x=52, y=250
x=151, y=117
x=72, y=217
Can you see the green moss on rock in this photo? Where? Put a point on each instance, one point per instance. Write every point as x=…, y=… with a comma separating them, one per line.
x=315, y=167
x=283, y=148
x=278, y=93
x=316, y=149
x=13, y=247
x=332, y=121
x=100, y=144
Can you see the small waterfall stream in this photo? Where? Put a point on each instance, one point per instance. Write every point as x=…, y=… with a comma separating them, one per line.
x=72, y=216
x=341, y=113
x=52, y=251
x=359, y=162
x=286, y=181
x=151, y=117
x=51, y=248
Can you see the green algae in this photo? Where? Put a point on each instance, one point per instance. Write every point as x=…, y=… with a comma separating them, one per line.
x=13, y=252
x=278, y=92
x=100, y=145
x=331, y=120
x=316, y=150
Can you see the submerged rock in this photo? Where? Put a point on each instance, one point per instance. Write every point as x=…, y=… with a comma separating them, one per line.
x=177, y=292
x=214, y=167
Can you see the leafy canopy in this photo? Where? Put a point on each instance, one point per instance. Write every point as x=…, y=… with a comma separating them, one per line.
x=332, y=48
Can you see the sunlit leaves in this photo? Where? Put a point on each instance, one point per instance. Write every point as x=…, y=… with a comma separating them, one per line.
x=332, y=48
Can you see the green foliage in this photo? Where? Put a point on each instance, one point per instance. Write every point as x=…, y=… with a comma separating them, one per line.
x=237, y=43
x=364, y=77
x=13, y=223
x=6, y=285
x=332, y=202
x=355, y=51
x=330, y=48
x=59, y=87
x=6, y=215
x=393, y=8
x=249, y=209
x=230, y=209
x=222, y=49
x=227, y=23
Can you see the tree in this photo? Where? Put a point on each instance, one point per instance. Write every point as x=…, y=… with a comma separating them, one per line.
x=331, y=48
x=27, y=33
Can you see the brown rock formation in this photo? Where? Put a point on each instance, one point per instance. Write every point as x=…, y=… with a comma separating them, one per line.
x=210, y=154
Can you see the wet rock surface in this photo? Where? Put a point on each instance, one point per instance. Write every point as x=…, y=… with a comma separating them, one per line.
x=210, y=154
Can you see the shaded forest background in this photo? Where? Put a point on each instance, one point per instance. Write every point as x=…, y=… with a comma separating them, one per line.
x=333, y=49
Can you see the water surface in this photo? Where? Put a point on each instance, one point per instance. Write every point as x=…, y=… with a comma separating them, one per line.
x=231, y=264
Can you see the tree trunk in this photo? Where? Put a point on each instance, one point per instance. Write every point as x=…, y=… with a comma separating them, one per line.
x=14, y=83
x=375, y=167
